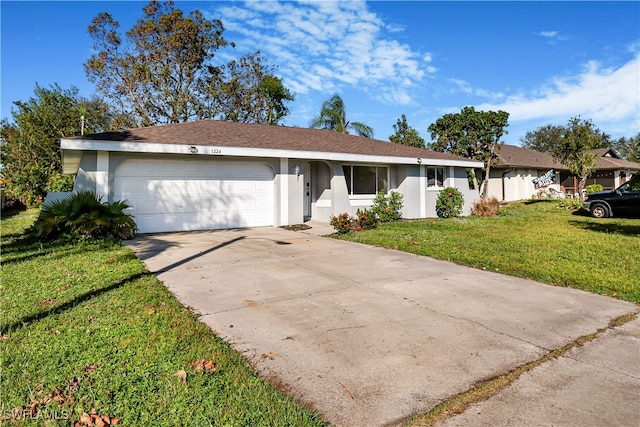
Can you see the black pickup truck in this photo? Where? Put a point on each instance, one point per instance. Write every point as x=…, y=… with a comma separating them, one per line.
x=623, y=201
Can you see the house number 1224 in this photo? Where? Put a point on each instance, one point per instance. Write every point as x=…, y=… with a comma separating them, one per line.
x=216, y=151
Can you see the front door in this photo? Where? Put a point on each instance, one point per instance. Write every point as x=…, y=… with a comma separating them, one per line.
x=307, y=191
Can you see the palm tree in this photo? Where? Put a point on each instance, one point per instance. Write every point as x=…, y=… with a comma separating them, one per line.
x=332, y=116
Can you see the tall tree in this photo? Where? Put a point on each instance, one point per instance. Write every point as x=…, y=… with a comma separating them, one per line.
x=546, y=138
x=31, y=144
x=543, y=139
x=333, y=116
x=472, y=134
x=628, y=148
x=162, y=72
x=406, y=135
x=246, y=90
x=157, y=74
x=574, y=148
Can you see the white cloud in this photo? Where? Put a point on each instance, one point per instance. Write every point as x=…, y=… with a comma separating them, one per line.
x=320, y=46
x=608, y=96
x=465, y=87
x=552, y=36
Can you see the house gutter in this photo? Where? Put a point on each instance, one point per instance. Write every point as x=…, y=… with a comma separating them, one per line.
x=504, y=175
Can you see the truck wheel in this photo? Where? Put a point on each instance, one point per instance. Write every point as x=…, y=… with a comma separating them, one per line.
x=599, y=211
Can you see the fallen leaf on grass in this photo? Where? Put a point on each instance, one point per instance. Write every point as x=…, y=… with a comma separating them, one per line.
x=86, y=419
x=93, y=419
x=203, y=365
x=182, y=375
x=89, y=368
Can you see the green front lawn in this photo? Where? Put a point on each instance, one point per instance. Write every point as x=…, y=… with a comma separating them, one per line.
x=86, y=329
x=536, y=240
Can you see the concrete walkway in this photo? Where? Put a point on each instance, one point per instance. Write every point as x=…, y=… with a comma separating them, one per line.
x=369, y=336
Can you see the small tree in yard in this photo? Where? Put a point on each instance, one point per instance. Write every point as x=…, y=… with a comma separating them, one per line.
x=472, y=134
x=574, y=149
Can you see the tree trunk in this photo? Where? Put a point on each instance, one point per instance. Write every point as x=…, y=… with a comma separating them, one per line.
x=581, y=186
x=474, y=178
x=484, y=188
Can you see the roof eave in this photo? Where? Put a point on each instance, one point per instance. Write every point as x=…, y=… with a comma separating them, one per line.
x=76, y=144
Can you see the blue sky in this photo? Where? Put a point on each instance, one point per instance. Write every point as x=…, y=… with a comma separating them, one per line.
x=543, y=62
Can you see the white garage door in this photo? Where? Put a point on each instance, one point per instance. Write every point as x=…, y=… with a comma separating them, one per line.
x=180, y=195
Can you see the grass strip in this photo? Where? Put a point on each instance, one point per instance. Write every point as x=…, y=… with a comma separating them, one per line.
x=459, y=403
x=88, y=333
x=535, y=240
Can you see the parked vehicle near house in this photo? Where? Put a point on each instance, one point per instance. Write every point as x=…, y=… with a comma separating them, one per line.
x=623, y=201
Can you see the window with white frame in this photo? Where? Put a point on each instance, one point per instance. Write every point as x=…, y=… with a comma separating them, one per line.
x=366, y=179
x=435, y=177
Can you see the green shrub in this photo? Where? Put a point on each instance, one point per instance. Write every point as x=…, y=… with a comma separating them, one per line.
x=387, y=207
x=449, y=203
x=594, y=188
x=365, y=220
x=343, y=223
x=571, y=204
x=59, y=183
x=84, y=216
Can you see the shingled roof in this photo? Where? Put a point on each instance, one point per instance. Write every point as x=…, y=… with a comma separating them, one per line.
x=609, y=160
x=511, y=156
x=245, y=135
x=518, y=157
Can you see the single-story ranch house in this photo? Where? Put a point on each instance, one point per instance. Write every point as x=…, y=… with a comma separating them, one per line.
x=212, y=174
x=513, y=177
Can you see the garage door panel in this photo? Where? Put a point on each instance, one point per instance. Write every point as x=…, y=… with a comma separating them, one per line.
x=194, y=195
x=263, y=202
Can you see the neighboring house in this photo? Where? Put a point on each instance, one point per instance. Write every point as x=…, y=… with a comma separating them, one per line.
x=611, y=171
x=210, y=174
x=513, y=177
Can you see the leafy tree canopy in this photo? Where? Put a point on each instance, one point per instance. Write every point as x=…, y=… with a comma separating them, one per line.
x=573, y=149
x=546, y=138
x=31, y=144
x=543, y=139
x=628, y=148
x=162, y=72
x=571, y=144
x=472, y=134
x=333, y=116
x=406, y=135
x=246, y=90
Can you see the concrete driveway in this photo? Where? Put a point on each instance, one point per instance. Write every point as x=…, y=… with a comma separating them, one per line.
x=369, y=336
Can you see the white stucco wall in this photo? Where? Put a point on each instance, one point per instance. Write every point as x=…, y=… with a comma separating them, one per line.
x=518, y=184
x=329, y=193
